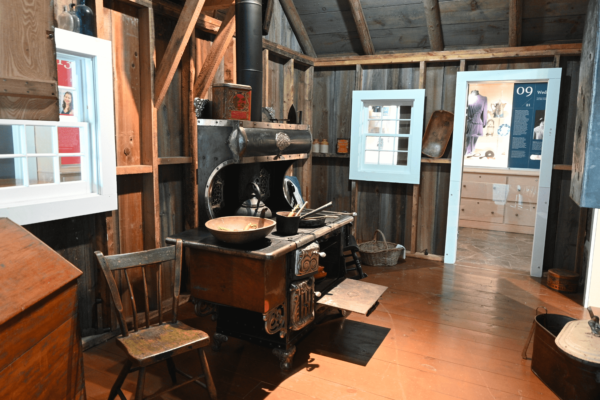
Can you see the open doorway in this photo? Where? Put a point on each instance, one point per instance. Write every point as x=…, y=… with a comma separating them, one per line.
x=500, y=177
x=502, y=153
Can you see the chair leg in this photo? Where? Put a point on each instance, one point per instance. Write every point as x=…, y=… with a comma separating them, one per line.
x=172, y=370
x=120, y=379
x=139, y=390
x=212, y=390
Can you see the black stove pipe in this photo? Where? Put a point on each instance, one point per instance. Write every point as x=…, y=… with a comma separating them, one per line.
x=248, y=28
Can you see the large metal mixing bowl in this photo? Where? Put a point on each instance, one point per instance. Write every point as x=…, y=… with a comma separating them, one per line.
x=265, y=226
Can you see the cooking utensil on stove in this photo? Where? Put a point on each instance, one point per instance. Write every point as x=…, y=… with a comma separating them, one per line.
x=313, y=222
x=239, y=236
x=253, y=206
x=287, y=226
x=317, y=210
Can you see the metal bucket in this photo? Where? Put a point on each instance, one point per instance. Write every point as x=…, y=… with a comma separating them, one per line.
x=568, y=378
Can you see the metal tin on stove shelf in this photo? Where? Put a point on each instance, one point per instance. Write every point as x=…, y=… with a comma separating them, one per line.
x=231, y=101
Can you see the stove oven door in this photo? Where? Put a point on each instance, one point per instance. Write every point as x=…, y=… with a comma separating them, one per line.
x=352, y=295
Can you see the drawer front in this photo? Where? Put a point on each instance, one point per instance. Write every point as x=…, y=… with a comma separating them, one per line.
x=485, y=178
x=523, y=189
x=485, y=191
x=481, y=210
x=520, y=214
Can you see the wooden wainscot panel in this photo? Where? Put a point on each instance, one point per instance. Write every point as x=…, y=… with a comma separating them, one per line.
x=250, y=284
x=520, y=214
x=481, y=210
x=524, y=186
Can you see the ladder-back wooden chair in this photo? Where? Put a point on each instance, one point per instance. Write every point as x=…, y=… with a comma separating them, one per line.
x=151, y=344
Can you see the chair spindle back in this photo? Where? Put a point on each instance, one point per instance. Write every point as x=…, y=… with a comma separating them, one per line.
x=124, y=262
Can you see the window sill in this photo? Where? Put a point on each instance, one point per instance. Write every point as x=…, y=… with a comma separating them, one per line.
x=24, y=213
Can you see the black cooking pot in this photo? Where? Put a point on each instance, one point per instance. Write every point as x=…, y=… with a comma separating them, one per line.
x=287, y=226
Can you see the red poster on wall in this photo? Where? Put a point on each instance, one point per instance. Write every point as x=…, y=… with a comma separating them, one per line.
x=68, y=142
x=65, y=72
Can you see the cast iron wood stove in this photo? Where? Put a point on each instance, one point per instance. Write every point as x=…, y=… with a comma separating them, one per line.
x=265, y=292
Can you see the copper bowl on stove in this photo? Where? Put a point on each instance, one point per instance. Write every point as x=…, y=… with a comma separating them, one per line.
x=236, y=233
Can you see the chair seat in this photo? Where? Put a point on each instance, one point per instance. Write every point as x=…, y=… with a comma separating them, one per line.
x=160, y=342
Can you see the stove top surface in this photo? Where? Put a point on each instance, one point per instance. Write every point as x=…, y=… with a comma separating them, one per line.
x=273, y=246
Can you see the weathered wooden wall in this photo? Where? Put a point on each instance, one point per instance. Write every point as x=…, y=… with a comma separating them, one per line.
x=75, y=240
x=387, y=206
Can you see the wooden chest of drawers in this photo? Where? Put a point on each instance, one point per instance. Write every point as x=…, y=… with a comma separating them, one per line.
x=500, y=200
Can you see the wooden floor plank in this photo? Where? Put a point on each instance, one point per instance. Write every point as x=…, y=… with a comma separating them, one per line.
x=440, y=332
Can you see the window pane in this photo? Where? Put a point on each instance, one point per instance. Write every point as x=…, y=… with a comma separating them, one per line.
x=387, y=143
x=10, y=172
x=69, y=172
x=402, y=158
x=374, y=126
x=390, y=127
x=375, y=112
x=371, y=157
x=402, y=144
x=404, y=128
x=372, y=143
x=386, y=158
x=41, y=170
x=405, y=112
x=389, y=112
x=69, y=93
x=9, y=139
x=39, y=139
x=66, y=72
x=68, y=142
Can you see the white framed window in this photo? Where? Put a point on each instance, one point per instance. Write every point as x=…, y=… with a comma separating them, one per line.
x=387, y=131
x=59, y=169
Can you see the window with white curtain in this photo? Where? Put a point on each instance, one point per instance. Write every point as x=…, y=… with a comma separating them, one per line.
x=387, y=130
x=59, y=169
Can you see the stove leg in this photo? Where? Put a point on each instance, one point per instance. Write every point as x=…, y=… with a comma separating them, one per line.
x=285, y=358
x=218, y=339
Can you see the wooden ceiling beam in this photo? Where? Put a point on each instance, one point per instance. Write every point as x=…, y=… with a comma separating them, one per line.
x=572, y=49
x=217, y=51
x=515, y=22
x=298, y=27
x=173, y=10
x=212, y=25
x=287, y=53
x=434, y=24
x=212, y=5
x=361, y=26
x=177, y=44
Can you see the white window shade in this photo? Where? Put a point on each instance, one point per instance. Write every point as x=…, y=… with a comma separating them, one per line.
x=387, y=131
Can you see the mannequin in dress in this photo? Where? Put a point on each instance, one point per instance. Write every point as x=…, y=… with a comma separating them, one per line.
x=477, y=118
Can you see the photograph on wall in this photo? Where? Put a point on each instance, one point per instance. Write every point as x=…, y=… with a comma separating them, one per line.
x=527, y=133
x=489, y=114
x=66, y=101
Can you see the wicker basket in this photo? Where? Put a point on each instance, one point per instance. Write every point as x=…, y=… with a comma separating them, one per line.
x=380, y=254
